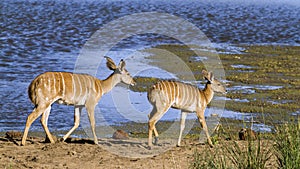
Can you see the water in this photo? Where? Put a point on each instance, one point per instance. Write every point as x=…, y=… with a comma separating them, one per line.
x=38, y=36
x=251, y=89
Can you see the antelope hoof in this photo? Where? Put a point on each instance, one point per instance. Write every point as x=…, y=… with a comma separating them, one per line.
x=60, y=140
x=210, y=143
x=149, y=146
x=53, y=139
x=23, y=143
x=156, y=140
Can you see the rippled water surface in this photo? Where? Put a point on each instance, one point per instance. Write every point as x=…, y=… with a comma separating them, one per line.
x=39, y=36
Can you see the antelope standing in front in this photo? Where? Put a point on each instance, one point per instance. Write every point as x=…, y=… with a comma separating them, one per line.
x=166, y=94
x=80, y=90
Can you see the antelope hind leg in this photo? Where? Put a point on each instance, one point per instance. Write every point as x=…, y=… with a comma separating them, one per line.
x=44, y=122
x=77, y=112
x=30, y=119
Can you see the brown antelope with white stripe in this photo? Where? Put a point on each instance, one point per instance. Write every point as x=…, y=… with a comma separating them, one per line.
x=170, y=94
x=80, y=90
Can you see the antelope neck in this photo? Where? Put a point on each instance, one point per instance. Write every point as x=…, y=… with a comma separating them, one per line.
x=111, y=81
x=208, y=92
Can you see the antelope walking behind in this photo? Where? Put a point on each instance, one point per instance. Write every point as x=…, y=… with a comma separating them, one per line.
x=166, y=94
x=80, y=90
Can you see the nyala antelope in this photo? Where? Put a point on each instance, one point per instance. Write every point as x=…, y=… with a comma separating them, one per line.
x=80, y=90
x=171, y=94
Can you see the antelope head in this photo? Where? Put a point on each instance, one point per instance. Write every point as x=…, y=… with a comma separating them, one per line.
x=215, y=84
x=120, y=70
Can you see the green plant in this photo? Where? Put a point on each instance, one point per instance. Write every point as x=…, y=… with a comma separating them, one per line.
x=287, y=145
x=251, y=156
x=208, y=159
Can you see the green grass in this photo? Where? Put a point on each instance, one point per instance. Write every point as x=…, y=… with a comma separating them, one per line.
x=207, y=160
x=252, y=156
x=279, y=150
x=287, y=145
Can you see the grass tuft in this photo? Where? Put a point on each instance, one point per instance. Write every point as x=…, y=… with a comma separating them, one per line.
x=287, y=145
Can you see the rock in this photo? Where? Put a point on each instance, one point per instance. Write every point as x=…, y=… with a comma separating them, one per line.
x=72, y=153
x=120, y=134
x=13, y=135
x=246, y=134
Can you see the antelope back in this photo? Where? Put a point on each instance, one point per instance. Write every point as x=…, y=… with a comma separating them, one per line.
x=67, y=88
x=176, y=94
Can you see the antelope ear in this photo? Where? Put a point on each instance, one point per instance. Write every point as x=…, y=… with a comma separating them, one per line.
x=211, y=75
x=122, y=65
x=110, y=63
x=208, y=75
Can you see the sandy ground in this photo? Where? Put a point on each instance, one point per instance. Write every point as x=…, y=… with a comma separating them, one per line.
x=110, y=153
x=82, y=153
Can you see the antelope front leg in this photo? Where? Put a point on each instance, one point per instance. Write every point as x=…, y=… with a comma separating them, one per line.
x=202, y=121
x=207, y=134
x=90, y=110
x=182, y=126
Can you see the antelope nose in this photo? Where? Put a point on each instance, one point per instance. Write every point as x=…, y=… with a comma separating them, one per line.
x=225, y=92
x=133, y=83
